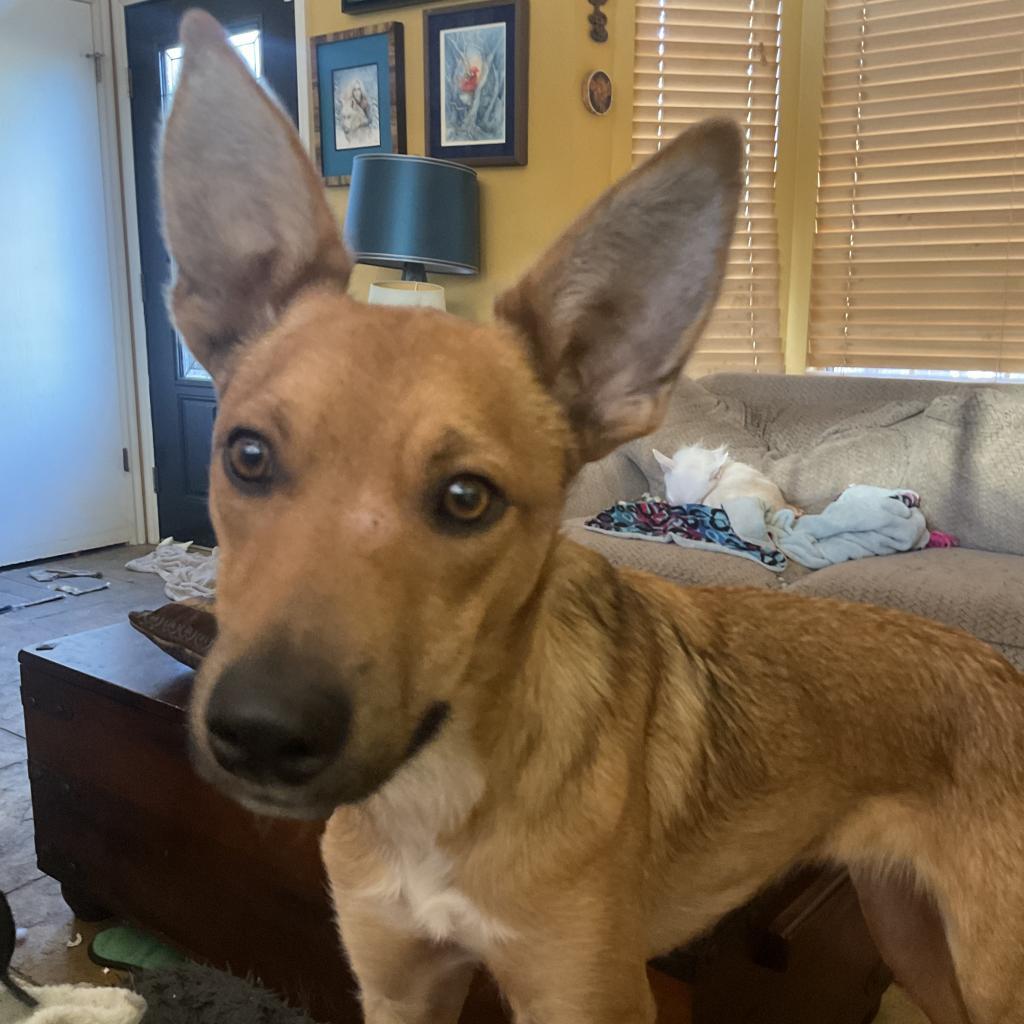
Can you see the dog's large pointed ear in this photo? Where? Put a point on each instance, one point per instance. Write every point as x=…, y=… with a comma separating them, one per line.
x=244, y=212
x=614, y=308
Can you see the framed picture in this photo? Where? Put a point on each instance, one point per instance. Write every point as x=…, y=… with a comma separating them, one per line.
x=597, y=93
x=359, y=6
x=476, y=62
x=358, y=97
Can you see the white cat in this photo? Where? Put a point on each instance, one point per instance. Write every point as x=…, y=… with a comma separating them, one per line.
x=703, y=476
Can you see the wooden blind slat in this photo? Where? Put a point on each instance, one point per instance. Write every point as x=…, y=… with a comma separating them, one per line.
x=921, y=290
x=885, y=11
x=991, y=92
x=721, y=58
x=972, y=18
x=921, y=45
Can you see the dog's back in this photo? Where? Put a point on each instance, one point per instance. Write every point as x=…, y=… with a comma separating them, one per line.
x=738, y=722
x=752, y=753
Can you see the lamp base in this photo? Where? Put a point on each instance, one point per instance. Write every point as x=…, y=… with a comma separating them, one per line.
x=407, y=293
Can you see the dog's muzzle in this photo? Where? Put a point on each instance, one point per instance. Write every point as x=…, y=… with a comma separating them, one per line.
x=279, y=723
x=275, y=724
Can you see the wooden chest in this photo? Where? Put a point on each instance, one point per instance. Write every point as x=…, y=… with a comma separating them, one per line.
x=126, y=826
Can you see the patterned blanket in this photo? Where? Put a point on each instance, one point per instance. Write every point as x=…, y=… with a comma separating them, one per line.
x=692, y=526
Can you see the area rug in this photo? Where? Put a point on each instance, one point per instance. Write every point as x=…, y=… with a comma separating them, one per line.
x=201, y=995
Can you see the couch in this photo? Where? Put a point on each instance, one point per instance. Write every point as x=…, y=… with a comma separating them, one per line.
x=960, y=446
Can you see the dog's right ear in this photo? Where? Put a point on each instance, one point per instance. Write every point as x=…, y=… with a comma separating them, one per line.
x=611, y=312
x=244, y=212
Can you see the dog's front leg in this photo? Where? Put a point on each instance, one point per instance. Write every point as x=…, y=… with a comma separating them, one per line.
x=582, y=979
x=403, y=977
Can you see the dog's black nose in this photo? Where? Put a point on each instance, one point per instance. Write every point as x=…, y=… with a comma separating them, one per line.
x=272, y=724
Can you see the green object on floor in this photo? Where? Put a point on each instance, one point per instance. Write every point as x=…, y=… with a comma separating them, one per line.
x=125, y=948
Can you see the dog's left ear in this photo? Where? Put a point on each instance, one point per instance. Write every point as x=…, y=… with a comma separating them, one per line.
x=615, y=307
x=244, y=212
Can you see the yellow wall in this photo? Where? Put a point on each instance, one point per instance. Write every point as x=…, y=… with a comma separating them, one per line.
x=573, y=154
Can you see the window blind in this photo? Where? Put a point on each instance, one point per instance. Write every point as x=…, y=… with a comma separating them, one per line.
x=703, y=58
x=919, y=245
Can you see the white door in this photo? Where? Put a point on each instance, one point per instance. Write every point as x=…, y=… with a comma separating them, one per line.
x=63, y=482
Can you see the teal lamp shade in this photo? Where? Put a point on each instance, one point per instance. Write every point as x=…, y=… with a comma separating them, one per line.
x=414, y=213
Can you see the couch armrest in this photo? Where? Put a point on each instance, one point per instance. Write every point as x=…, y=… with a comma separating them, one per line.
x=601, y=484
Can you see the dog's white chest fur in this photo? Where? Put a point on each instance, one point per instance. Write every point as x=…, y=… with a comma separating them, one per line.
x=431, y=796
x=421, y=883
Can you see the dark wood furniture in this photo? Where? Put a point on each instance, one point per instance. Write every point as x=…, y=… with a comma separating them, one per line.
x=124, y=825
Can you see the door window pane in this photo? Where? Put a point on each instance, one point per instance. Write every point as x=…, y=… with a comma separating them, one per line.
x=248, y=44
x=188, y=367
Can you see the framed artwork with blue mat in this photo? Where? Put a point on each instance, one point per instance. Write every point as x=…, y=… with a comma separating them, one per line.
x=358, y=97
x=476, y=64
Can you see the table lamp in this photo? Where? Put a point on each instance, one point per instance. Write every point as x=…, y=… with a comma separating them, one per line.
x=416, y=214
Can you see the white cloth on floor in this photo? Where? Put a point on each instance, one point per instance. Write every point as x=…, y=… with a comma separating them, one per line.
x=185, y=573
x=73, y=1004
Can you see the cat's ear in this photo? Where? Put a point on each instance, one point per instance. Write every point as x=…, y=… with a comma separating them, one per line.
x=720, y=456
x=664, y=461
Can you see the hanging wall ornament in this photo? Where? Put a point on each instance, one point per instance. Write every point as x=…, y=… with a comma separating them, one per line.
x=597, y=92
x=598, y=22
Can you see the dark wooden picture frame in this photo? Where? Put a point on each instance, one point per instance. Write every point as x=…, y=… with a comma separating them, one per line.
x=367, y=45
x=514, y=16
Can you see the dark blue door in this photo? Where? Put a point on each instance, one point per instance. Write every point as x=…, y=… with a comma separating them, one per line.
x=180, y=392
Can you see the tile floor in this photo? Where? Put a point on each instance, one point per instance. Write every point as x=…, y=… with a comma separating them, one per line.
x=45, y=957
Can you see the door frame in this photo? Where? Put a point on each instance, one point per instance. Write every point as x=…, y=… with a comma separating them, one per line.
x=145, y=492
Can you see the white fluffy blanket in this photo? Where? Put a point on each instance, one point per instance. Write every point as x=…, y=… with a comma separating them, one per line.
x=73, y=1004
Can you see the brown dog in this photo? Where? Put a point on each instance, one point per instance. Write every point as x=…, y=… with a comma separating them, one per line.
x=532, y=759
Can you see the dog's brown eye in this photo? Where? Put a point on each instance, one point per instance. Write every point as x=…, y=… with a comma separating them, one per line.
x=469, y=501
x=466, y=498
x=249, y=458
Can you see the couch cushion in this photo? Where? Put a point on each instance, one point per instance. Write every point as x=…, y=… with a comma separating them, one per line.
x=600, y=484
x=768, y=395
x=961, y=452
x=686, y=566
x=978, y=591
x=800, y=427
x=793, y=411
